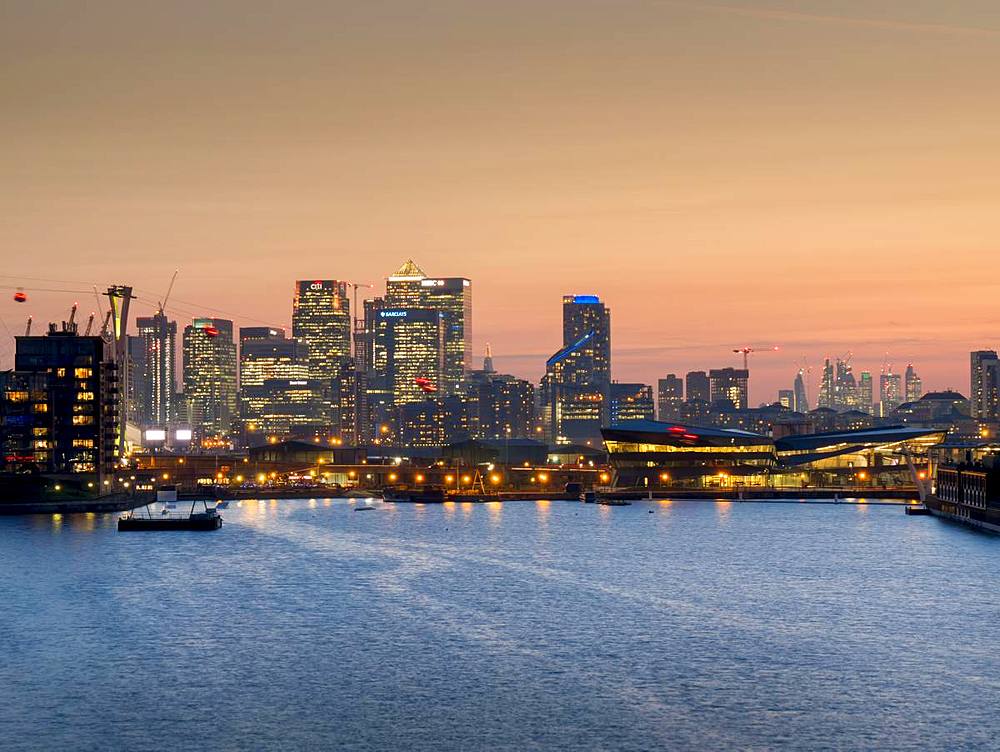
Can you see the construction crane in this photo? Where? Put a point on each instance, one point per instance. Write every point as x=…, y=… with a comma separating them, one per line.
x=90, y=324
x=170, y=288
x=746, y=353
x=27, y=329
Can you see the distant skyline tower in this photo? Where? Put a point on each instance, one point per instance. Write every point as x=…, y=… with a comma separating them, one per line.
x=321, y=316
x=696, y=386
x=669, y=397
x=866, y=392
x=156, y=366
x=210, y=376
x=890, y=392
x=800, y=403
x=981, y=398
x=786, y=398
x=913, y=385
x=488, y=360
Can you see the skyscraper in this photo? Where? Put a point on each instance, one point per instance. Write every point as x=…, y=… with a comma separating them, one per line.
x=409, y=287
x=321, y=317
x=585, y=315
x=696, y=386
x=912, y=384
x=210, y=377
x=575, y=389
x=801, y=401
x=890, y=392
x=981, y=397
x=670, y=396
x=729, y=384
x=786, y=398
x=866, y=393
x=154, y=353
x=412, y=340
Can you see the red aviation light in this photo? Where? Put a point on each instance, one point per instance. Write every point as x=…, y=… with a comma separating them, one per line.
x=20, y=296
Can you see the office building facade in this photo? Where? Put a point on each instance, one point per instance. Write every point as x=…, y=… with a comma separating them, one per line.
x=321, y=317
x=210, y=373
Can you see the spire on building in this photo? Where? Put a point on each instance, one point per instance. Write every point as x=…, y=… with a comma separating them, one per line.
x=488, y=360
x=409, y=270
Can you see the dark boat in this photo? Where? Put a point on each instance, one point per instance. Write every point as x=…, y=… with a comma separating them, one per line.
x=425, y=495
x=968, y=493
x=143, y=519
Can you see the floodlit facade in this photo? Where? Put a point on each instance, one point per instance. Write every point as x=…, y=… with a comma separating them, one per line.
x=321, y=317
x=154, y=355
x=409, y=287
x=210, y=377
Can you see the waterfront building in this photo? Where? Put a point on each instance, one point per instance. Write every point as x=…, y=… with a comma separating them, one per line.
x=980, y=396
x=210, y=370
x=409, y=287
x=697, y=387
x=913, y=385
x=321, y=317
x=75, y=429
x=653, y=454
x=729, y=384
x=153, y=352
x=26, y=428
x=630, y=402
x=670, y=396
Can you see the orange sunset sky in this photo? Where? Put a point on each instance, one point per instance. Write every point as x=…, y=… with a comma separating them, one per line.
x=824, y=176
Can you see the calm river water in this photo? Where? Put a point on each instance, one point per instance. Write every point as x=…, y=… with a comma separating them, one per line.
x=530, y=625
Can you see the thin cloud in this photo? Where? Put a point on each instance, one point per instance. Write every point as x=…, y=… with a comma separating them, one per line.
x=777, y=14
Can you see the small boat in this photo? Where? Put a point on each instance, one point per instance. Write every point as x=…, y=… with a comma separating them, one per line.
x=364, y=508
x=223, y=504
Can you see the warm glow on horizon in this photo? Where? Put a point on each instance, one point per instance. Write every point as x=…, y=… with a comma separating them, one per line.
x=719, y=173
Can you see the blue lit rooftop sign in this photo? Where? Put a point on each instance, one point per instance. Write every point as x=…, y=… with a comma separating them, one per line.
x=586, y=299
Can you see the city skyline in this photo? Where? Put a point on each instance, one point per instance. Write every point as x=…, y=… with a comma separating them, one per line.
x=771, y=370
x=720, y=174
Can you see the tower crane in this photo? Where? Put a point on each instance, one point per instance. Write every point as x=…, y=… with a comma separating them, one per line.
x=746, y=353
x=170, y=288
